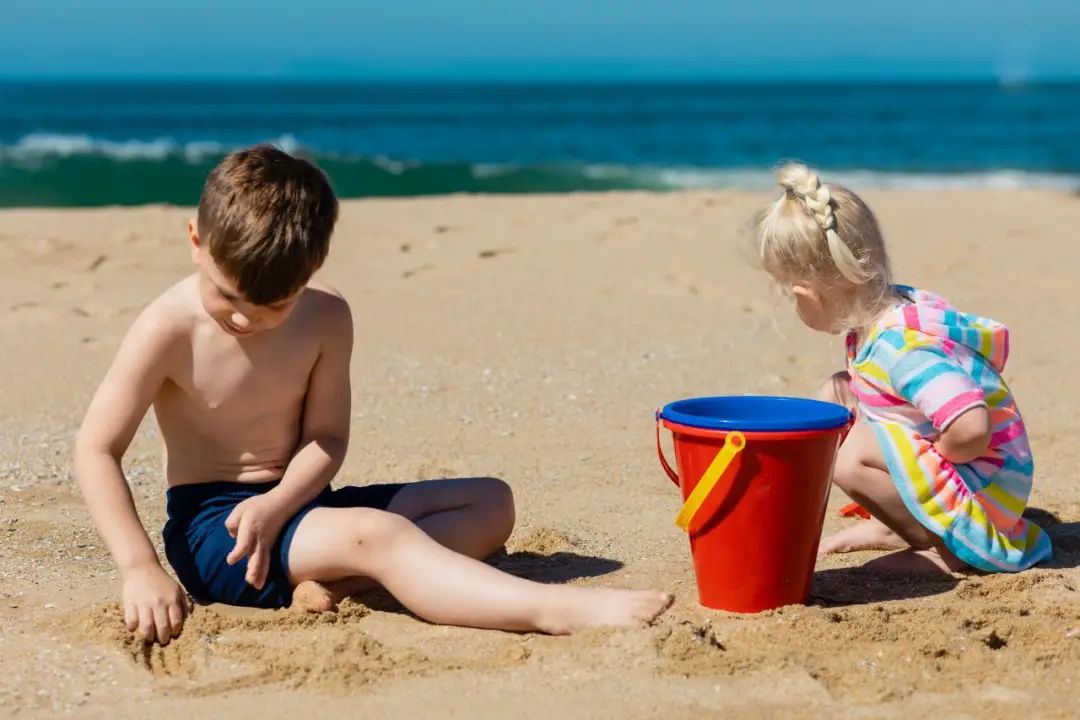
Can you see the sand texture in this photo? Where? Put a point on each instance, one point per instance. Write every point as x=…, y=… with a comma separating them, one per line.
x=531, y=338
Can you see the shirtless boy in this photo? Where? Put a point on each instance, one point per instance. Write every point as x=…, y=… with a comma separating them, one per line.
x=246, y=364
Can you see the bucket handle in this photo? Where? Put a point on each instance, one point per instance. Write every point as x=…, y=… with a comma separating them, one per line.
x=734, y=443
x=660, y=453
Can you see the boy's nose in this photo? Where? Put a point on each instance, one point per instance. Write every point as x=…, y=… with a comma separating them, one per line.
x=240, y=321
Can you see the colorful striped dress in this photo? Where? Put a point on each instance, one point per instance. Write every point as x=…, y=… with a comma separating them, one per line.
x=919, y=368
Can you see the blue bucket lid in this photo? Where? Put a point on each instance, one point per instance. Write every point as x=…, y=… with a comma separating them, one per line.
x=756, y=414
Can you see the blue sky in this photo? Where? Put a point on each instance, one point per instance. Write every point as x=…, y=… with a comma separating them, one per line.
x=543, y=39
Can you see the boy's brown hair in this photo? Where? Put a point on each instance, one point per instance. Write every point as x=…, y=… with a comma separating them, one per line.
x=266, y=218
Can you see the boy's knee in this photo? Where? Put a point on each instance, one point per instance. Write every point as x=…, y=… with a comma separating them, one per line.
x=498, y=492
x=499, y=496
x=376, y=528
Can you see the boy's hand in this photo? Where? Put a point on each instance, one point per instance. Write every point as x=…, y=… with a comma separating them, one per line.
x=255, y=523
x=154, y=604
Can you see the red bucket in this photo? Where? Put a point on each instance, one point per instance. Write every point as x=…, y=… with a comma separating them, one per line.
x=764, y=465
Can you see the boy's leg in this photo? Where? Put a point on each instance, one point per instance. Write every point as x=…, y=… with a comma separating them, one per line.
x=446, y=587
x=472, y=516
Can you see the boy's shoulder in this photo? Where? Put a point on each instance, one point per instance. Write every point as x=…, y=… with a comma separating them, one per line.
x=325, y=297
x=171, y=315
x=324, y=307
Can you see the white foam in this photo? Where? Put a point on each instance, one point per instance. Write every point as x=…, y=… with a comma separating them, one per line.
x=43, y=145
x=488, y=171
x=394, y=167
x=758, y=179
x=35, y=147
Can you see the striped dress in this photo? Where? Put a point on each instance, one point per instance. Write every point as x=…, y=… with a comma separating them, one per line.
x=919, y=368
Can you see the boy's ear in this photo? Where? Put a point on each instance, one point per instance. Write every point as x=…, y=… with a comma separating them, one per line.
x=196, y=243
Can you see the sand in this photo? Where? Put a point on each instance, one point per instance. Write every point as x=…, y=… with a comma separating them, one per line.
x=531, y=338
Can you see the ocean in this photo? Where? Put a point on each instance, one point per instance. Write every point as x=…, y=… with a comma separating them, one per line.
x=126, y=143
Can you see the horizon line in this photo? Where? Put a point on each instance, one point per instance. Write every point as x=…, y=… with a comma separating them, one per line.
x=535, y=79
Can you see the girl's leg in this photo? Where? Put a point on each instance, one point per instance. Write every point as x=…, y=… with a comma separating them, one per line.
x=472, y=516
x=861, y=472
x=449, y=588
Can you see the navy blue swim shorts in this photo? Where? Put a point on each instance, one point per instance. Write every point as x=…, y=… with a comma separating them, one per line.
x=197, y=542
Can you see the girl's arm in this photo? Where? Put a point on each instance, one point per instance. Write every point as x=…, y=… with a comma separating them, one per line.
x=935, y=383
x=967, y=438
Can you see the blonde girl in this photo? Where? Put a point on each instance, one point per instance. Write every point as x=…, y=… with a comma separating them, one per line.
x=939, y=456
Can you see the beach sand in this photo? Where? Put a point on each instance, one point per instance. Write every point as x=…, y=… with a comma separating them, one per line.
x=531, y=338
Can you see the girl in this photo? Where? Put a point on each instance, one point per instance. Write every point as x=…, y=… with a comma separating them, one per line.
x=939, y=455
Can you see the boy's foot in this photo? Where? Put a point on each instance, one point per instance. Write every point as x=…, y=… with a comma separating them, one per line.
x=865, y=535
x=314, y=597
x=575, y=608
x=919, y=561
x=319, y=597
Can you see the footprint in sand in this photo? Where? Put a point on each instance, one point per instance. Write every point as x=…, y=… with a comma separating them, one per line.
x=495, y=252
x=414, y=271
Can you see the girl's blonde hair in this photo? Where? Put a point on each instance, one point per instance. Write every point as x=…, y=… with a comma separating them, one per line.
x=826, y=237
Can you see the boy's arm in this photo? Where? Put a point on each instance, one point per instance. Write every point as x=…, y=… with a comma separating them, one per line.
x=153, y=602
x=256, y=522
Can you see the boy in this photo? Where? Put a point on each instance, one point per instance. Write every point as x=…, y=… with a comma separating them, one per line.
x=246, y=364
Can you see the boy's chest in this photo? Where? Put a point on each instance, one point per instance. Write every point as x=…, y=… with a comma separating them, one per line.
x=253, y=376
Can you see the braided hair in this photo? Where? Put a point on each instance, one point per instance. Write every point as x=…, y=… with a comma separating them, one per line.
x=824, y=236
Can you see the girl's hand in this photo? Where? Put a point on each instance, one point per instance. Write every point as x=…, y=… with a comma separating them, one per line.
x=255, y=524
x=154, y=604
x=967, y=438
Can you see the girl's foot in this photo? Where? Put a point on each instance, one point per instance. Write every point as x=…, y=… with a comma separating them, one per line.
x=574, y=609
x=909, y=561
x=865, y=535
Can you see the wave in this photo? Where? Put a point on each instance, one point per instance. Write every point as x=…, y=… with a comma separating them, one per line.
x=37, y=146
x=48, y=169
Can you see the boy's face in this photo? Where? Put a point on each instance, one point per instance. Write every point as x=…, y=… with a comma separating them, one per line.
x=226, y=304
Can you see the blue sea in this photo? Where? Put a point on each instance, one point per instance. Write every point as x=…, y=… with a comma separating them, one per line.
x=102, y=143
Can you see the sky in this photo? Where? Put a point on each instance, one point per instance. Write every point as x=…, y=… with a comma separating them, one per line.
x=542, y=39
